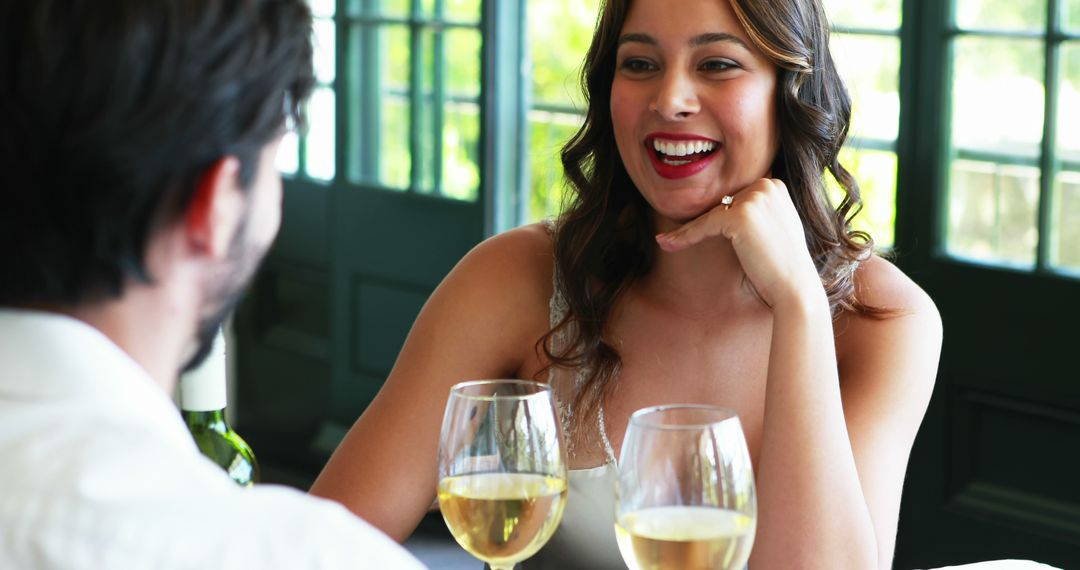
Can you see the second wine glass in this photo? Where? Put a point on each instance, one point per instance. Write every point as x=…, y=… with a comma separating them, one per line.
x=685, y=497
x=502, y=469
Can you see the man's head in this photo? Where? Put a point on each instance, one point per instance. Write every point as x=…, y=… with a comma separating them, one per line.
x=125, y=118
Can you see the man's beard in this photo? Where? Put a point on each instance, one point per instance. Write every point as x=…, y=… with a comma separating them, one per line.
x=225, y=293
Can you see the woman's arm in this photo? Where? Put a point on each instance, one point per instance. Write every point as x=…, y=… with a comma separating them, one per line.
x=837, y=432
x=887, y=372
x=481, y=322
x=847, y=441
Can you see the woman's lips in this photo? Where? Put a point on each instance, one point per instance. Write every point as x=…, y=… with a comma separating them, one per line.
x=680, y=156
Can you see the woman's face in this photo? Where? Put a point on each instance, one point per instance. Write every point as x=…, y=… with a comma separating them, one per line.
x=692, y=105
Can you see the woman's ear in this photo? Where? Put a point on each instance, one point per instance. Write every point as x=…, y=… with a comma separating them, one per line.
x=213, y=216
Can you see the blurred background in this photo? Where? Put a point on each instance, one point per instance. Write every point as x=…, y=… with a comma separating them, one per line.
x=437, y=123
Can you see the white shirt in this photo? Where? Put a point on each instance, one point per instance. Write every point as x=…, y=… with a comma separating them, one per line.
x=97, y=471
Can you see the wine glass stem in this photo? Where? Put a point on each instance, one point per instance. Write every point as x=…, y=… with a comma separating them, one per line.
x=502, y=567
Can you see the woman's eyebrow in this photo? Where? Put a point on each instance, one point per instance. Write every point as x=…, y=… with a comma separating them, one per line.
x=696, y=41
x=713, y=37
x=637, y=38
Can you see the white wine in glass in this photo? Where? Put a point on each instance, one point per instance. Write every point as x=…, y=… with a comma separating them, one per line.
x=502, y=469
x=685, y=498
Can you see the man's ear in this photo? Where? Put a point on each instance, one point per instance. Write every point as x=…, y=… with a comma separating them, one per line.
x=213, y=216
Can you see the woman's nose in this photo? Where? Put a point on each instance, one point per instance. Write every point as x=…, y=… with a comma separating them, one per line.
x=676, y=97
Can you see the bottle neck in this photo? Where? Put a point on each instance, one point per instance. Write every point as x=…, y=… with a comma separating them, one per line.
x=204, y=388
x=209, y=420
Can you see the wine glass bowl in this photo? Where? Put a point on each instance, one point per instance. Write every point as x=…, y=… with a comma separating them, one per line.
x=502, y=469
x=685, y=497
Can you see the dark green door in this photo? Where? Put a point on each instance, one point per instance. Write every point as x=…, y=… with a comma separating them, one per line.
x=391, y=185
x=988, y=219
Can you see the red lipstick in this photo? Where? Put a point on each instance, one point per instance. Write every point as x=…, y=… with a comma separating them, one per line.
x=678, y=155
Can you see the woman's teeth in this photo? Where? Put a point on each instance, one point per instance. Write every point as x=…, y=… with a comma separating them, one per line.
x=669, y=149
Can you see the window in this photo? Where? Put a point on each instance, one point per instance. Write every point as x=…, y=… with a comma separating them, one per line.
x=865, y=44
x=559, y=33
x=1013, y=175
x=410, y=93
x=312, y=154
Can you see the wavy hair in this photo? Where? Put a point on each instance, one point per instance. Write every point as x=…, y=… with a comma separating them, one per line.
x=603, y=241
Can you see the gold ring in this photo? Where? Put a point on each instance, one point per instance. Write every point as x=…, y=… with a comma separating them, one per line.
x=727, y=201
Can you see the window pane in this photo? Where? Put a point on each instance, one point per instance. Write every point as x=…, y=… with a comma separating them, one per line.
x=1071, y=16
x=870, y=66
x=993, y=212
x=1001, y=14
x=461, y=115
x=463, y=10
x=461, y=151
x=1065, y=224
x=288, y=158
x=462, y=62
x=1065, y=205
x=325, y=50
x=559, y=32
x=319, y=155
x=391, y=142
x=395, y=160
x=1068, y=135
x=426, y=129
x=875, y=172
x=400, y=8
x=548, y=131
x=864, y=13
x=559, y=35
x=997, y=99
x=322, y=8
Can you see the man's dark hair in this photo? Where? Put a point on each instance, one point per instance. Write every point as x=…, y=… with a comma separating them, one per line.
x=111, y=112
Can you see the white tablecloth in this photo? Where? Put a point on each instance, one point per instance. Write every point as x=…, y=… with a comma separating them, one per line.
x=1001, y=565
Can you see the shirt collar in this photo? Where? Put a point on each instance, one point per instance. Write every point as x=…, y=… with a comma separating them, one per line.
x=47, y=357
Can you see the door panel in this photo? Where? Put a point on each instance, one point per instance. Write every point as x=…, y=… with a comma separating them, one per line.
x=331, y=307
x=391, y=250
x=994, y=473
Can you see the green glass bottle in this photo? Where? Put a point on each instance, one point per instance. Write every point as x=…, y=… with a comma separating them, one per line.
x=202, y=405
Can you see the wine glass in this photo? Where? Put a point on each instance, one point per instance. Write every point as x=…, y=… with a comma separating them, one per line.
x=502, y=469
x=685, y=497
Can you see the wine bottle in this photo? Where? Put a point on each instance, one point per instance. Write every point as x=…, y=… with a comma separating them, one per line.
x=202, y=405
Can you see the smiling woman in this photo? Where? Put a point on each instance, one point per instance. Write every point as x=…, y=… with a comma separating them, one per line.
x=699, y=261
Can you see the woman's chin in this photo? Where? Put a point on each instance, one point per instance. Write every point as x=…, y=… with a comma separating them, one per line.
x=670, y=218
x=683, y=211
x=683, y=205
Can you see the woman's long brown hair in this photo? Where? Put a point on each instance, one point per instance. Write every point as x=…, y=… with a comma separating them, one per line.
x=604, y=240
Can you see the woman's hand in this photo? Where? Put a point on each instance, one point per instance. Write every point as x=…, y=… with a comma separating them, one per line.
x=765, y=229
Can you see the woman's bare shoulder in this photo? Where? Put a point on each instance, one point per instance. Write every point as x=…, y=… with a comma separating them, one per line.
x=910, y=314
x=505, y=279
x=879, y=283
x=522, y=256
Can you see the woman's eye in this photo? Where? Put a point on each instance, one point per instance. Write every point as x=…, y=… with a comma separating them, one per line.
x=717, y=65
x=637, y=65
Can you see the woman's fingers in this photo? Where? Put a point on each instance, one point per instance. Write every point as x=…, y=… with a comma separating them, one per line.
x=715, y=222
x=693, y=232
x=764, y=228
